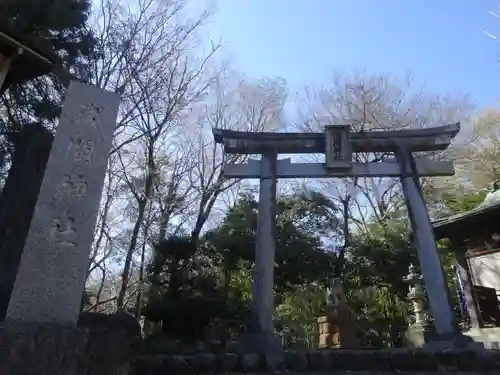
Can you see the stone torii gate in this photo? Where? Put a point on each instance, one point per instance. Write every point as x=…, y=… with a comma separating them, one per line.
x=338, y=144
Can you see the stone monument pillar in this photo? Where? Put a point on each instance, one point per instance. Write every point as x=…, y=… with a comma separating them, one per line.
x=337, y=328
x=40, y=334
x=53, y=267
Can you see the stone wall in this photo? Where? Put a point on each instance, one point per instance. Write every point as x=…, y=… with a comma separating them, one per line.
x=414, y=361
x=51, y=349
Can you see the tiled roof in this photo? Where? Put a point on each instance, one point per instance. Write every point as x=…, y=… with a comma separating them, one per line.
x=490, y=203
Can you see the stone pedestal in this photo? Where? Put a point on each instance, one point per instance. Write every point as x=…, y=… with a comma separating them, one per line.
x=52, y=349
x=337, y=328
x=424, y=336
x=418, y=335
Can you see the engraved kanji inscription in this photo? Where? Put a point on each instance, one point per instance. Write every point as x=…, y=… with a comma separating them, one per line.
x=338, y=151
x=337, y=146
x=89, y=114
x=81, y=150
x=73, y=186
x=63, y=232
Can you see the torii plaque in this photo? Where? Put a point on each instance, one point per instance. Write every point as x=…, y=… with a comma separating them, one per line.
x=338, y=144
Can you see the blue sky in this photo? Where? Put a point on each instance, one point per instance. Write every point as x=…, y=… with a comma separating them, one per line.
x=441, y=42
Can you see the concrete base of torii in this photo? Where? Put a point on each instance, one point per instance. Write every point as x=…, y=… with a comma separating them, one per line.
x=267, y=344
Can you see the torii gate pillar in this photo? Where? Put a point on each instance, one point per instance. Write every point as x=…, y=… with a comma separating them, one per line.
x=263, y=284
x=428, y=256
x=260, y=336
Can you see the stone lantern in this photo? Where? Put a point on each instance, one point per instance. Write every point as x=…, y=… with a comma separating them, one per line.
x=419, y=333
x=416, y=295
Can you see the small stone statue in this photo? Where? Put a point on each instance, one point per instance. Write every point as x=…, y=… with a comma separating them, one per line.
x=337, y=327
x=335, y=293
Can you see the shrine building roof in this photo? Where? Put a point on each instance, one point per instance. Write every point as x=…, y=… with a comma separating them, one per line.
x=455, y=225
x=37, y=58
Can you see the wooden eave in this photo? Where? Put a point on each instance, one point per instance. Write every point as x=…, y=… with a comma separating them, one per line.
x=464, y=224
x=36, y=59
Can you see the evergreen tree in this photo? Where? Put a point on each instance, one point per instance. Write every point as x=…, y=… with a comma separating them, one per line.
x=188, y=299
x=61, y=25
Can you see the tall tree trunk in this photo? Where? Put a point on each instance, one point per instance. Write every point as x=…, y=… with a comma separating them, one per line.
x=143, y=202
x=128, y=259
x=339, y=271
x=138, y=303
